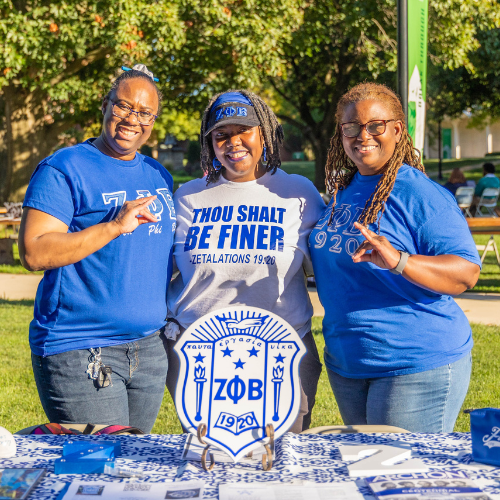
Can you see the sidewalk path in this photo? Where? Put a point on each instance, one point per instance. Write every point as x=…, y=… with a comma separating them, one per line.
x=19, y=286
x=478, y=307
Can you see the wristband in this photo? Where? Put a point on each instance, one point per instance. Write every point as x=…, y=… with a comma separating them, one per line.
x=401, y=264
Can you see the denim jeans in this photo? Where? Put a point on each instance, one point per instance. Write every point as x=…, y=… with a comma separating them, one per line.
x=428, y=401
x=68, y=395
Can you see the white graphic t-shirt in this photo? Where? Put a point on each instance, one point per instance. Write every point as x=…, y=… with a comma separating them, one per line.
x=244, y=243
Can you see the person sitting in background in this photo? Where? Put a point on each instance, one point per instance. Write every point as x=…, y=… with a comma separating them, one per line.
x=489, y=179
x=457, y=179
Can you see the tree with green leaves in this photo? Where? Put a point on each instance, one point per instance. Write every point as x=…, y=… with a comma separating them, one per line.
x=341, y=43
x=58, y=59
x=474, y=88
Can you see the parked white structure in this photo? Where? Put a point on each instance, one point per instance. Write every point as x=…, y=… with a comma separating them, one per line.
x=461, y=141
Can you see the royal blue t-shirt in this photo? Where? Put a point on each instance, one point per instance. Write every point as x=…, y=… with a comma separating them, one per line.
x=378, y=324
x=117, y=294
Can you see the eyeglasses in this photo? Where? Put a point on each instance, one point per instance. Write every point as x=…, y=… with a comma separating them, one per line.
x=124, y=111
x=373, y=127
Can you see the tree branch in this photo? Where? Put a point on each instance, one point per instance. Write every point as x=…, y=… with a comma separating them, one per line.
x=78, y=64
x=292, y=121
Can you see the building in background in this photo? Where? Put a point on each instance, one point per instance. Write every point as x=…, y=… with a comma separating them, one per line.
x=461, y=140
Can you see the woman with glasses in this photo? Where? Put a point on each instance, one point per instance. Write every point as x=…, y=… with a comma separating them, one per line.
x=388, y=254
x=99, y=220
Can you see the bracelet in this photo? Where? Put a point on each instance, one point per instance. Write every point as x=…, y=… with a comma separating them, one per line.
x=401, y=264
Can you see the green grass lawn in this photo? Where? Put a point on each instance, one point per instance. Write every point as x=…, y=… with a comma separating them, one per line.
x=21, y=407
x=431, y=165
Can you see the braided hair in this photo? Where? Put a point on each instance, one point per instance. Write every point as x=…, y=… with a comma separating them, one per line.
x=340, y=169
x=136, y=73
x=269, y=126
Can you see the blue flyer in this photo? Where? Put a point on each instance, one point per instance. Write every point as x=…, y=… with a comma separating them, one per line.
x=437, y=484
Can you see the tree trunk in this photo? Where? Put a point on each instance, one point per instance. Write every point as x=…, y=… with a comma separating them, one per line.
x=27, y=140
x=320, y=154
x=319, y=139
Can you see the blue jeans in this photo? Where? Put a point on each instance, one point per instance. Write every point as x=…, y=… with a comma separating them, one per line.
x=428, y=401
x=68, y=395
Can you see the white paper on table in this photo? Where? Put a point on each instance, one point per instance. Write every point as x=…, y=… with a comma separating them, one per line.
x=193, y=450
x=280, y=491
x=80, y=490
x=381, y=459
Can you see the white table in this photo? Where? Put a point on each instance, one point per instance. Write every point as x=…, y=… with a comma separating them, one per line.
x=307, y=457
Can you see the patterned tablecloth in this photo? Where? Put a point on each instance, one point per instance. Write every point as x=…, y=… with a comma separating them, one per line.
x=298, y=457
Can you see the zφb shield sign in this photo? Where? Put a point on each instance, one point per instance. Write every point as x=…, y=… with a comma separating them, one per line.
x=239, y=371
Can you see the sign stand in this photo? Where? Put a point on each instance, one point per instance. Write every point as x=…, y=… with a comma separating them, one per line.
x=201, y=433
x=267, y=459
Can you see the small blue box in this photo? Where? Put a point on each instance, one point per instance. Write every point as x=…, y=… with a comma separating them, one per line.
x=65, y=466
x=83, y=457
x=96, y=449
x=485, y=432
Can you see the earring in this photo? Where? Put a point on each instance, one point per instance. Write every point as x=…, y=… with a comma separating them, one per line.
x=216, y=164
x=264, y=155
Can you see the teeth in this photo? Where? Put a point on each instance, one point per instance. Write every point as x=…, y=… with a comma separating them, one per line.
x=127, y=132
x=237, y=155
x=367, y=148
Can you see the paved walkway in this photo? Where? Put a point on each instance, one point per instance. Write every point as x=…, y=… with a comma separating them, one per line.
x=18, y=286
x=478, y=307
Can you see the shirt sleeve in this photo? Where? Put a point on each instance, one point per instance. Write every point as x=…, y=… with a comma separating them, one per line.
x=49, y=191
x=315, y=207
x=447, y=233
x=479, y=187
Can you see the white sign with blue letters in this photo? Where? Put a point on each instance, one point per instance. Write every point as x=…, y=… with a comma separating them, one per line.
x=239, y=371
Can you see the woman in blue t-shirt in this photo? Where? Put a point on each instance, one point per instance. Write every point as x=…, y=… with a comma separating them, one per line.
x=388, y=253
x=99, y=220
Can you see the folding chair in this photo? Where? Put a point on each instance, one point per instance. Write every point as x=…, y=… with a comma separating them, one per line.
x=490, y=246
x=355, y=429
x=488, y=200
x=464, y=197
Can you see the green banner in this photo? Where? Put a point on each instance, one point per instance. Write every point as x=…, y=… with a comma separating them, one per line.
x=418, y=11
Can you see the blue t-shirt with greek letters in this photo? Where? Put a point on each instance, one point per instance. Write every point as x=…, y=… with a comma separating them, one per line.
x=378, y=324
x=117, y=294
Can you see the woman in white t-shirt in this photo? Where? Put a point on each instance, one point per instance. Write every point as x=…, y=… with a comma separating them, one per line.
x=242, y=231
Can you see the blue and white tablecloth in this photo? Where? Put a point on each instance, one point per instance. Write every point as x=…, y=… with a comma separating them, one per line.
x=306, y=457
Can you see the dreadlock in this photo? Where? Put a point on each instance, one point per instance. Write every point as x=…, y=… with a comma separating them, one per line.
x=269, y=126
x=340, y=169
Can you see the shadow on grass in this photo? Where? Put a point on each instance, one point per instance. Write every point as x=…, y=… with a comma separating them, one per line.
x=23, y=302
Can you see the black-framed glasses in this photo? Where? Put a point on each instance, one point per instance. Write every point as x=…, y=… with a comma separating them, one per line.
x=123, y=111
x=373, y=127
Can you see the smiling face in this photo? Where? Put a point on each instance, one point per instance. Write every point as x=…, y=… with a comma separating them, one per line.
x=122, y=137
x=239, y=149
x=371, y=153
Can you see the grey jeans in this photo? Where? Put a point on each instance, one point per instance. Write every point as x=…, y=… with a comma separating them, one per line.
x=309, y=371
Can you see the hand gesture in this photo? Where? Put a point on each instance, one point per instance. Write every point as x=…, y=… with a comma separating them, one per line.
x=134, y=213
x=383, y=254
